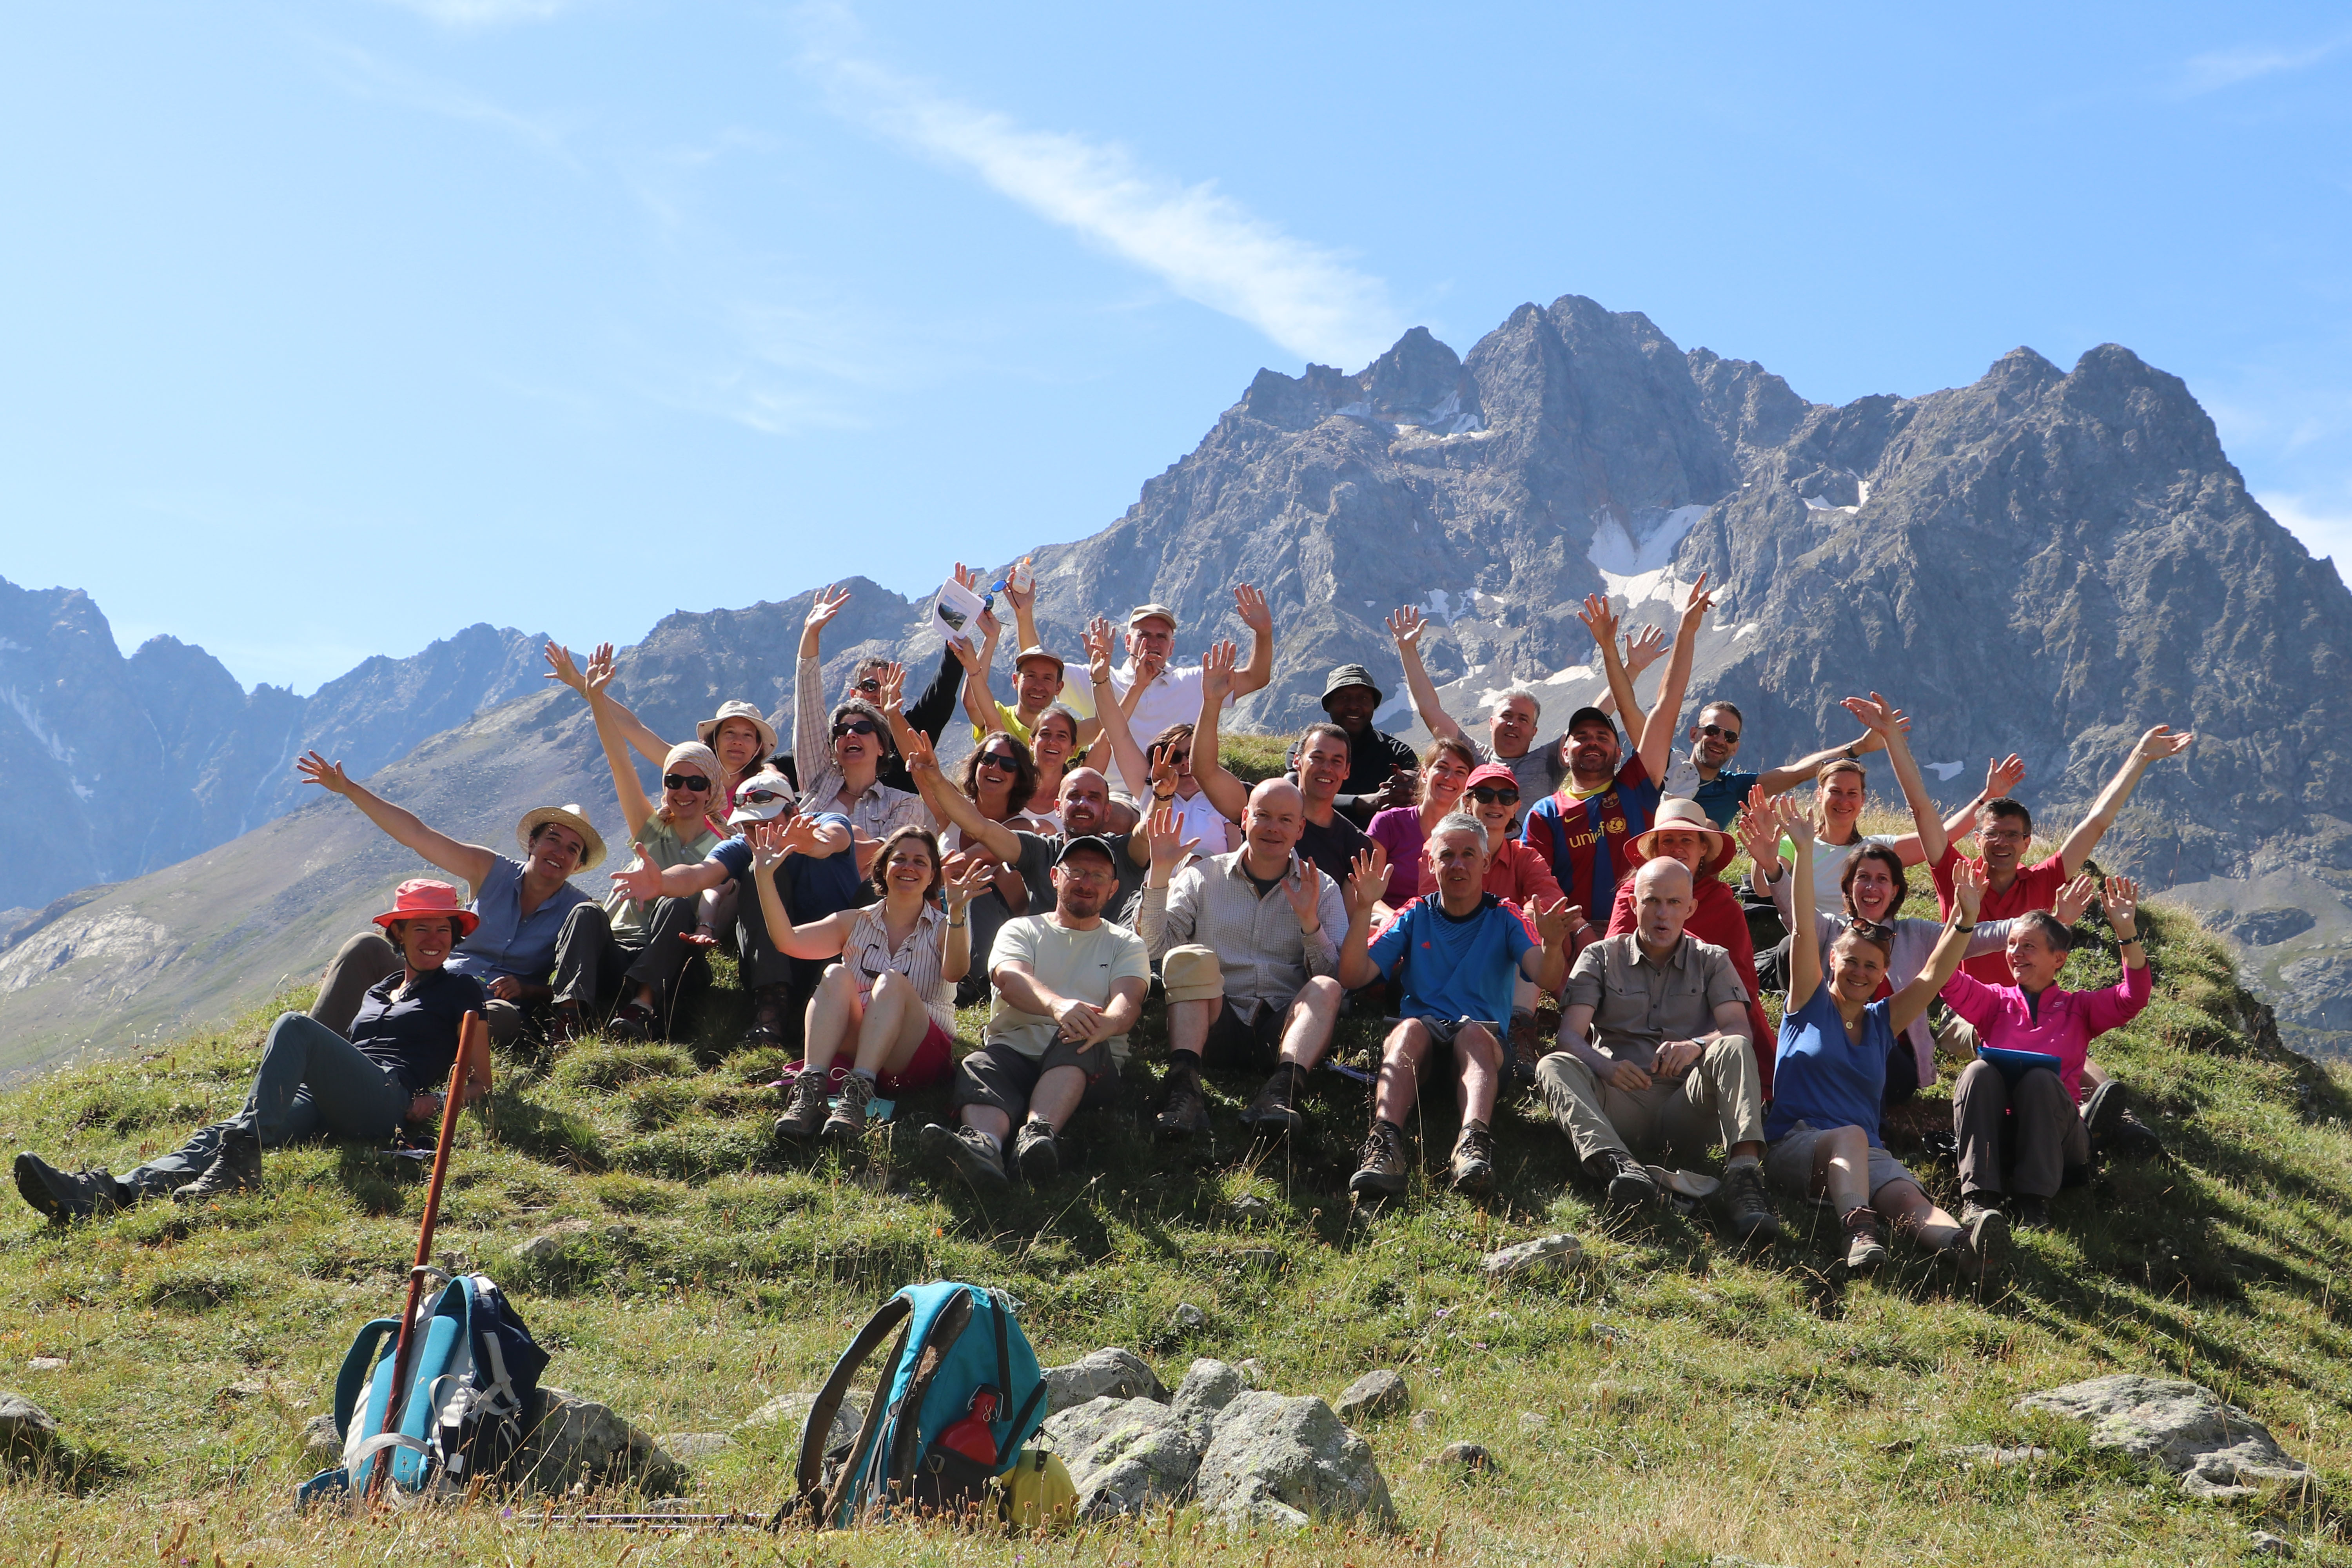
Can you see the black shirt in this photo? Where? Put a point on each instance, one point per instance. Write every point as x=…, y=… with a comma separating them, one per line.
x=416, y=1036
x=1334, y=848
x=1372, y=756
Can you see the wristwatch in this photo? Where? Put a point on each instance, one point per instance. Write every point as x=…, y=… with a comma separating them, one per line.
x=1851, y=754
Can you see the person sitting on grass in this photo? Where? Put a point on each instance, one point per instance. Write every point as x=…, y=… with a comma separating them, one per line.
x=1069, y=986
x=1327, y=835
x=1053, y=751
x=1455, y=954
x=313, y=1080
x=892, y=993
x=520, y=907
x=1654, y=1059
x=1251, y=978
x=1401, y=831
x=841, y=751
x=1822, y=1132
x=999, y=778
x=2019, y=1132
x=1381, y=768
x=1518, y=876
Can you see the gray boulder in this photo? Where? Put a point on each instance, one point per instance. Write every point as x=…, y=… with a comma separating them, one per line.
x=693, y=1447
x=1107, y=1374
x=1286, y=1463
x=322, y=1444
x=1124, y=1454
x=792, y=1409
x=579, y=1443
x=2217, y=1449
x=27, y=1431
x=1372, y=1395
x=1544, y=1253
x=1207, y=1389
x=1466, y=1456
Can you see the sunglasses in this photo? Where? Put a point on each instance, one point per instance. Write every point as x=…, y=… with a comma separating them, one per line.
x=1720, y=733
x=1873, y=929
x=1172, y=758
x=685, y=781
x=758, y=796
x=1000, y=761
x=1487, y=794
x=853, y=727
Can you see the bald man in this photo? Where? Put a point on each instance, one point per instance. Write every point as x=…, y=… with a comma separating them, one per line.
x=1247, y=944
x=1654, y=1061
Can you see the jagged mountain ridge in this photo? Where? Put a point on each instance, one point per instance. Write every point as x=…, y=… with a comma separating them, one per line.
x=2044, y=560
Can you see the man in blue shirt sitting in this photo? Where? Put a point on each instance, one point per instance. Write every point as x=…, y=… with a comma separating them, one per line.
x=1454, y=953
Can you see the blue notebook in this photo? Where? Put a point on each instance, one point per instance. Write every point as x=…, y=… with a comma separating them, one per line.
x=2015, y=1064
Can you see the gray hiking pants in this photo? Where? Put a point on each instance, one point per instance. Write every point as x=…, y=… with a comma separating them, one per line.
x=2017, y=1138
x=1717, y=1100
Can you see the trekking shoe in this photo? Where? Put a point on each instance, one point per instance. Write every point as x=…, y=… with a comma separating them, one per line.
x=1984, y=1238
x=969, y=1150
x=634, y=1021
x=1272, y=1112
x=1865, y=1247
x=1182, y=1111
x=2119, y=1133
x=2102, y=1114
x=1626, y=1184
x=2029, y=1213
x=847, y=1123
x=804, y=1112
x=1036, y=1152
x=81, y=1194
x=1747, y=1208
x=1382, y=1172
x=564, y=1026
x=1473, y=1159
x=768, y=1003
x=235, y=1169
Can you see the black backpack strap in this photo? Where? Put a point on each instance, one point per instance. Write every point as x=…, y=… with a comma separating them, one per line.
x=1028, y=1408
x=905, y=1434
x=1003, y=1315
x=811, y=1473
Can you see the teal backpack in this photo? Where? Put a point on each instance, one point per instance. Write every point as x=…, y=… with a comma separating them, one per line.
x=957, y=1396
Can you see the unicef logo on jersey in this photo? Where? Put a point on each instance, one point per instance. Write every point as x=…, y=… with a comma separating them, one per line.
x=1614, y=825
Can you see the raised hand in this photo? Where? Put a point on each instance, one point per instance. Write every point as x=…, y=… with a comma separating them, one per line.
x=642, y=881
x=967, y=577
x=1600, y=618
x=1402, y=787
x=1165, y=831
x=1758, y=828
x=1968, y=881
x=1303, y=886
x=1097, y=641
x=1874, y=711
x=1217, y=668
x=2161, y=742
x=991, y=628
x=1795, y=825
x=1644, y=648
x=1700, y=602
x=1022, y=599
x=918, y=755
x=2074, y=898
x=967, y=882
x=1251, y=605
x=329, y=776
x=828, y=604
x=1368, y=880
x=598, y=676
x=974, y=662
x=1163, y=771
x=892, y=677
x=2003, y=776
x=2121, y=900
x=560, y=668
x=1405, y=626
x=1557, y=923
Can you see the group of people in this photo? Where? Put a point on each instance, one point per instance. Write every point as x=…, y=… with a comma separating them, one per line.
x=1093, y=846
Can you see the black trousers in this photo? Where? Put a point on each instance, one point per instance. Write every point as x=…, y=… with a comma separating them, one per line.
x=596, y=969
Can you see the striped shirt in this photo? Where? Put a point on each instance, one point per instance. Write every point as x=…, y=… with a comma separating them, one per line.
x=868, y=952
x=876, y=812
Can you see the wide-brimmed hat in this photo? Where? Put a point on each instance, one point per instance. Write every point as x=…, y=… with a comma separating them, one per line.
x=420, y=896
x=1061, y=665
x=1147, y=612
x=749, y=714
x=591, y=850
x=1682, y=814
x=1348, y=675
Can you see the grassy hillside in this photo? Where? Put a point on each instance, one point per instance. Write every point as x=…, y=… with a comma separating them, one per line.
x=1667, y=1400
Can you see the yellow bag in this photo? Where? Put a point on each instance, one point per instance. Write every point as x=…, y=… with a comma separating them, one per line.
x=1037, y=1491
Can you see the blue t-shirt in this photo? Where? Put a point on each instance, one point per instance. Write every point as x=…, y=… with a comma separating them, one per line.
x=1454, y=968
x=1822, y=1078
x=813, y=886
x=507, y=942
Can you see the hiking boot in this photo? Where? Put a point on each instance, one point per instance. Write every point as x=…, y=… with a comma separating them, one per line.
x=2134, y=1139
x=634, y=1021
x=768, y=1005
x=972, y=1153
x=1745, y=1207
x=1036, y=1152
x=564, y=1026
x=1182, y=1110
x=1272, y=1112
x=2027, y=1212
x=1984, y=1238
x=1626, y=1185
x=1865, y=1247
x=847, y=1123
x=804, y=1112
x=1473, y=1159
x=235, y=1169
x=1382, y=1173
x=82, y=1194
x=2115, y=1130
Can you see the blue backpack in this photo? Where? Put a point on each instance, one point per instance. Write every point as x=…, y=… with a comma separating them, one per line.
x=961, y=1384
x=471, y=1397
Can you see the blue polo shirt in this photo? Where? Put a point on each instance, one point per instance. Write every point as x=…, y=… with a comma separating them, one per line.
x=507, y=942
x=1825, y=1079
x=1453, y=967
x=813, y=886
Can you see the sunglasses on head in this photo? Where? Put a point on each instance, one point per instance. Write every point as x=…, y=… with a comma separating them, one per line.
x=1009, y=764
x=758, y=796
x=853, y=727
x=1490, y=794
x=1719, y=733
x=685, y=781
x=1873, y=929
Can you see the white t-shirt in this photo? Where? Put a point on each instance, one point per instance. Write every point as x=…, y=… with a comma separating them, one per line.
x=1829, y=865
x=1172, y=698
x=1196, y=819
x=1077, y=964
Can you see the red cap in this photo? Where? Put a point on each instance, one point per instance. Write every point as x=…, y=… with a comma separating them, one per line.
x=1489, y=774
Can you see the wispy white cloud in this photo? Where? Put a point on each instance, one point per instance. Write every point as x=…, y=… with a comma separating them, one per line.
x=2324, y=529
x=364, y=75
x=1199, y=242
x=2228, y=68
x=474, y=14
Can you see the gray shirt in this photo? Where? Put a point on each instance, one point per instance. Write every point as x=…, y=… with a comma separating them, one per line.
x=1639, y=1003
x=1266, y=959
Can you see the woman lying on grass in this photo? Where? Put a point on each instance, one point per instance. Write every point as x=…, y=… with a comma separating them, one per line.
x=1821, y=1132
x=892, y=992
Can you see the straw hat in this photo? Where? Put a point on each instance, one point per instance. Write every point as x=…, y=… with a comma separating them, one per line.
x=1675, y=812
x=591, y=850
x=749, y=714
x=420, y=896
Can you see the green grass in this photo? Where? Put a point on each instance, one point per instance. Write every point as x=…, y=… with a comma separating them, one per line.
x=1693, y=1401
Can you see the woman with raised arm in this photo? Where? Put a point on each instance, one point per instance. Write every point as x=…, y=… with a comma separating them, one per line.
x=1822, y=1130
x=841, y=751
x=1053, y=751
x=893, y=991
x=739, y=735
x=1402, y=830
x=999, y=778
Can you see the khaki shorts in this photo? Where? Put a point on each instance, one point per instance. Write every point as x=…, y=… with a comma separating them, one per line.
x=1789, y=1162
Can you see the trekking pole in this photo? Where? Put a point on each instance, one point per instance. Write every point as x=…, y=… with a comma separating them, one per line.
x=473, y=1053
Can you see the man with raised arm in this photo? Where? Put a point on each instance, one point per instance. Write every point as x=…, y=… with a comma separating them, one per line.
x=1327, y=837
x=1069, y=986
x=1706, y=774
x=1656, y=1062
x=1170, y=694
x=1456, y=955
x=1251, y=977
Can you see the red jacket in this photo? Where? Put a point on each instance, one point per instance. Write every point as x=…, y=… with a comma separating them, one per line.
x=1718, y=921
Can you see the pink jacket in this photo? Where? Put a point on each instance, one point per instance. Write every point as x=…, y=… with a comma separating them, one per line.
x=2068, y=1022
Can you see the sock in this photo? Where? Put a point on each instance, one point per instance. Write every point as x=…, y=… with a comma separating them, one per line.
x=870, y=1078
x=1739, y=1160
x=994, y=1142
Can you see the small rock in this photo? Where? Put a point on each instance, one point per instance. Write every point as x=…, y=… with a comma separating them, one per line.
x=1533, y=1421
x=46, y=1363
x=1425, y=1420
x=1187, y=1316
x=1994, y=1454
x=2265, y=1544
x=1249, y=1205
x=2217, y=1449
x=26, y=1430
x=1611, y=1334
x=1107, y=1374
x=1284, y=1463
x=691, y=1448
x=1469, y=1455
x=1255, y=1372
x=1125, y=1456
x=1208, y=1387
x=537, y=1249
x=322, y=1444
x=580, y=1444
x=1544, y=1253
x=792, y=1409
x=1372, y=1395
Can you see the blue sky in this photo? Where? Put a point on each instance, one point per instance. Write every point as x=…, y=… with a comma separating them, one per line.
x=328, y=328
